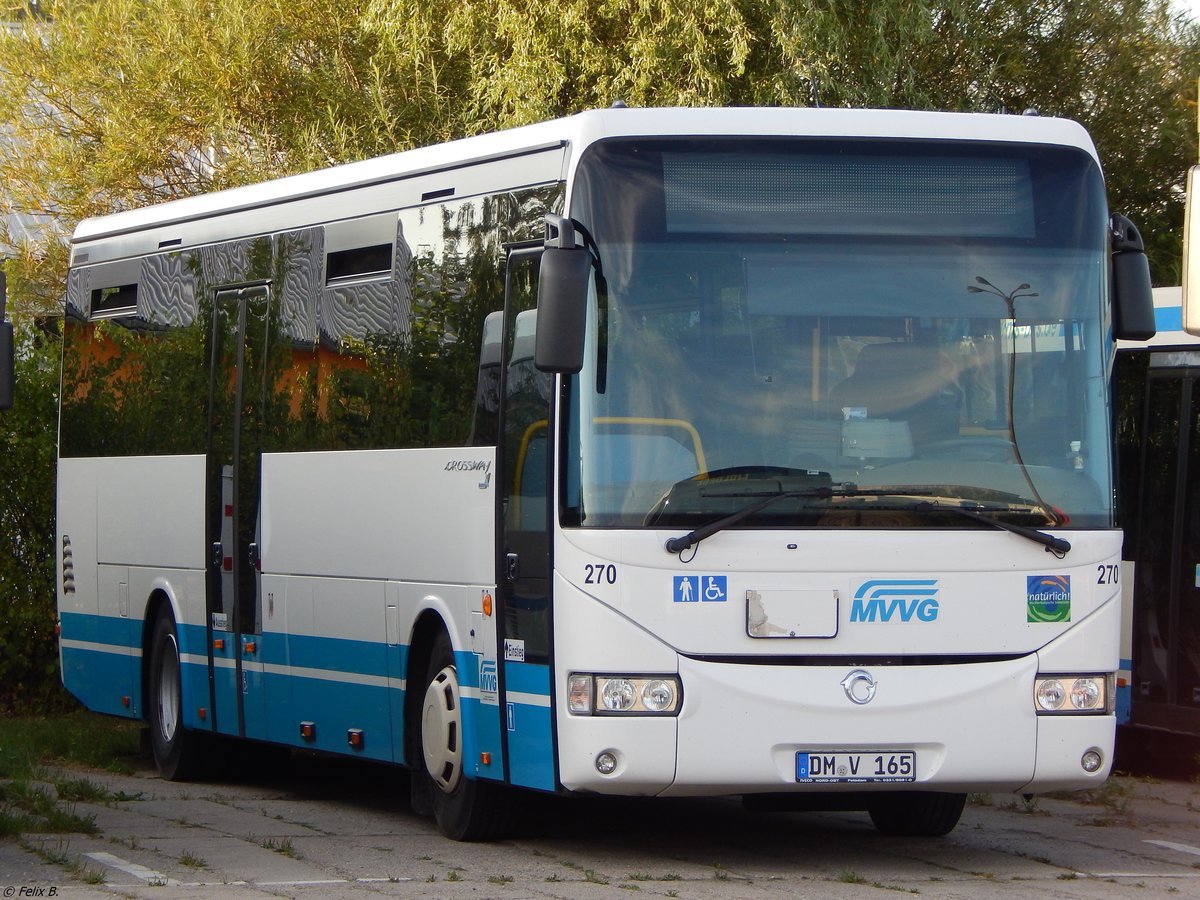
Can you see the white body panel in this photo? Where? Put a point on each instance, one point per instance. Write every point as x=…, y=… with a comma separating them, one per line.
x=760, y=714
x=104, y=506
x=415, y=515
x=979, y=580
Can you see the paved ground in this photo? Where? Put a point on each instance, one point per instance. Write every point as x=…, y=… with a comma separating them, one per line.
x=340, y=830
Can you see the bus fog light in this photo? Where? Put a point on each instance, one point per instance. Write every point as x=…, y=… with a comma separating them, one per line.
x=1092, y=760
x=658, y=695
x=618, y=695
x=606, y=763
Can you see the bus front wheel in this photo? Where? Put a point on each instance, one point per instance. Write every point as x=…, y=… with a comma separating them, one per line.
x=466, y=809
x=920, y=814
x=178, y=752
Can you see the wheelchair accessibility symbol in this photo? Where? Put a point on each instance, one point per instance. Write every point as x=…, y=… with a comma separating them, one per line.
x=700, y=588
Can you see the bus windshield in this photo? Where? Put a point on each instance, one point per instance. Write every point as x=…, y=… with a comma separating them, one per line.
x=923, y=321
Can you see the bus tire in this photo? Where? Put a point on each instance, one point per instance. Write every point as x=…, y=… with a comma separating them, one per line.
x=178, y=753
x=465, y=809
x=920, y=814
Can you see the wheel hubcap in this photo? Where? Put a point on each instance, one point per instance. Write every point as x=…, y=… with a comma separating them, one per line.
x=441, y=725
x=168, y=691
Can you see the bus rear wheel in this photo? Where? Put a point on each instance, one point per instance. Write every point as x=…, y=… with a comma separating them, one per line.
x=922, y=814
x=466, y=809
x=179, y=753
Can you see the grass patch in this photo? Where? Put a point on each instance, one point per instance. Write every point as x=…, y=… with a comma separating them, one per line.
x=283, y=847
x=31, y=808
x=80, y=790
x=37, y=802
x=84, y=738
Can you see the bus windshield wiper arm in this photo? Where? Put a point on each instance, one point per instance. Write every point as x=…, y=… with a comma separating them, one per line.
x=1056, y=545
x=692, y=538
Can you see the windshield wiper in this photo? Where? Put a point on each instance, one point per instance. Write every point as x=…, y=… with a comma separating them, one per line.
x=692, y=538
x=1056, y=545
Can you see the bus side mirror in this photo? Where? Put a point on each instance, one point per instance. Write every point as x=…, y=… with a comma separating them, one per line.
x=562, y=300
x=1191, y=267
x=1133, y=296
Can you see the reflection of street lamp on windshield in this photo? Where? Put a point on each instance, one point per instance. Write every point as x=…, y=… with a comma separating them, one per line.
x=1009, y=299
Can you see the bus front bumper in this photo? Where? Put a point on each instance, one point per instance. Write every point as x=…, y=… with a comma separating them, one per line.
x=752, y=728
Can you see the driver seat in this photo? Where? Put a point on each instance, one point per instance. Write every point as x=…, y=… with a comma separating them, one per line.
x=903, y=381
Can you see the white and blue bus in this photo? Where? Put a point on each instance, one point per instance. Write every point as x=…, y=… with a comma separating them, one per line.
x=1157, y=404
x=642, y=452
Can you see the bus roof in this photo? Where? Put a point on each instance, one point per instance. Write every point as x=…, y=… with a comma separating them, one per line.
x=577, y=132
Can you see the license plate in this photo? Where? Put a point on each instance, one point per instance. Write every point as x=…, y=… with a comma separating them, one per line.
x=855, y=767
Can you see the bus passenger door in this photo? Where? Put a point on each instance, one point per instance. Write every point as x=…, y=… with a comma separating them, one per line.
x=238, y=392
x=1166, y=628
x=524, y=551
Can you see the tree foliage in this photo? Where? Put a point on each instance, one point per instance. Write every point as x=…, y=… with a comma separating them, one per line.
x=112, y=104
x=28, y=649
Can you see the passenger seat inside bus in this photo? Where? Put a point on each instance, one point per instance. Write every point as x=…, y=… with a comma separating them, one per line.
x=905, y=382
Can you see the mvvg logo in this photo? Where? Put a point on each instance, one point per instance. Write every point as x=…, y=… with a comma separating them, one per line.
x=489, y=683
x=885, y=600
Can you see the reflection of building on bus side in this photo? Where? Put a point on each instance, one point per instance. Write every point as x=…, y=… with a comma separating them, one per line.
x=348, y=352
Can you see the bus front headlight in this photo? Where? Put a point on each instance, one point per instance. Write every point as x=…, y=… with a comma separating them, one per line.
x=623, y=695
x=1073, y=694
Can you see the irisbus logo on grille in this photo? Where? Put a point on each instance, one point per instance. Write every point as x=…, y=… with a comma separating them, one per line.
x=904, y=600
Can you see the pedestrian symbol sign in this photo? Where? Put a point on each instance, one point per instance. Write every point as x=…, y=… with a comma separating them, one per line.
x=700, y=589
x=686, y=589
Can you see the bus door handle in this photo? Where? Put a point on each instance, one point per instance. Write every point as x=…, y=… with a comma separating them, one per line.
x=512, y=566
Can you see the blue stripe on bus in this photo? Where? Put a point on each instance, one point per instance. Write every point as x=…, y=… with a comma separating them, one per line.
x=530, y=727
x=466, y=664
x=102, y=680
x=103, y=676
x=481, y=734
x=1124, y=694
x=1168, y=318
x=276, y=702
x=114, y=630
x=526, y=678
x=337, y=707
x=333, y=654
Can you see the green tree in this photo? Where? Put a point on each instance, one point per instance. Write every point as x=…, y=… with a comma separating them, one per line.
x=1126, y=70
x=28, y=651
x=118, y=103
